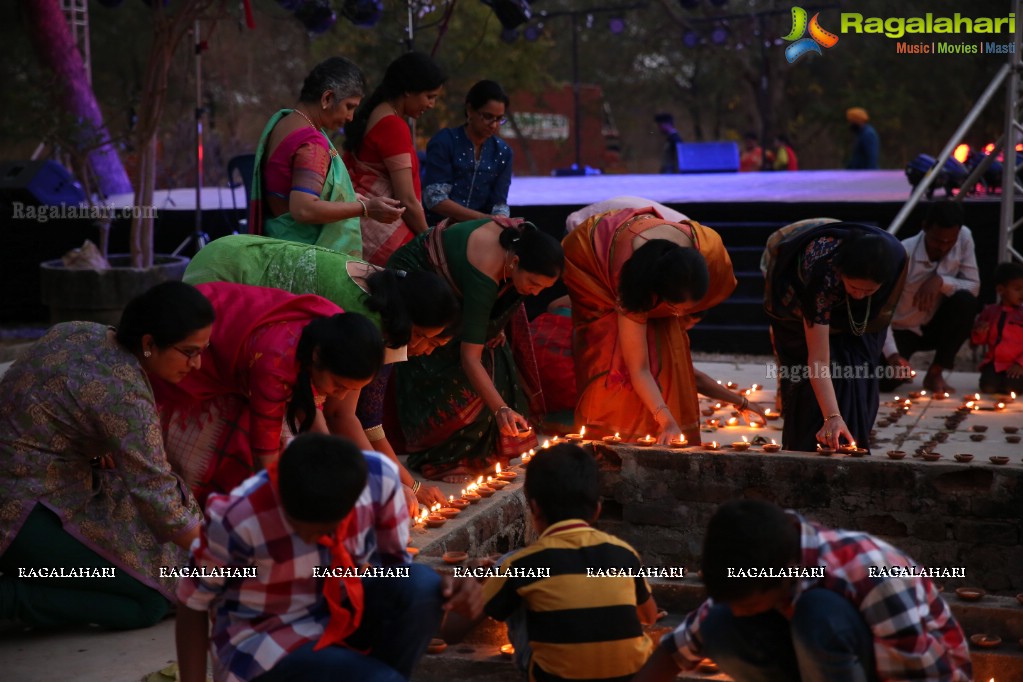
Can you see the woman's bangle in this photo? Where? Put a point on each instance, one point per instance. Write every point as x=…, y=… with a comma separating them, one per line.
x=365, y=209
x=664, y=406
x=375, y=432
x=832, y=416
x=416, y=485
x=744, y=405
x=498, y=410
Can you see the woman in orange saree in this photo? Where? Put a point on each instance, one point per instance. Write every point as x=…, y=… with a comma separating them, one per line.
x=634, y=370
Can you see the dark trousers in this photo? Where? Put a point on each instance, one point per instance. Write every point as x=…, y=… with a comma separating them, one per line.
x=945, y=333
x=998, y=382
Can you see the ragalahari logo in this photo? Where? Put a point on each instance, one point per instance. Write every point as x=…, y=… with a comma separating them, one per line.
x=818, y=36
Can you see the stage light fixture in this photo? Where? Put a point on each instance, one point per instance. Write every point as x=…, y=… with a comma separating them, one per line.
x=316, y=15
x=363, y=13
x=616, y=25
x=691, y=39
x=719, y=36
x=962, y=152
x=511, y=13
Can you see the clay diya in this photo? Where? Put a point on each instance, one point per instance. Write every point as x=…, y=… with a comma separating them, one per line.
x=827, y=452
x=708, y=412
x=1012, y=439
x=858, y=452
x=454, y=557
x=497, y=483
x=646, y=441
x=896, y=454
x=986, y=641
x=576, y=437
x=617, y=438
x=771, y=416
x=435, y=520
x=931, y=456
x=678, y=443
x=999, y=459
x=458, y=504
x=449, y=512
x=970, y=593
x=741, y=445
x=1010, y=429
x=507, y=650
x=978, y=428
x=485, y=491
x=941, y=437
x=707, y=667
x=771, y=447
x=436, y=646
x=471, y=497
x=964, y=457
x=713, y=445
x=976, y=437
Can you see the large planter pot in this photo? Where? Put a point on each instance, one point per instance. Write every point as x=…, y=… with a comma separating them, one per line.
x=100, y=295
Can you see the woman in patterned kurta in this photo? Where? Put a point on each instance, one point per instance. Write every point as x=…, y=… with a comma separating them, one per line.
x=274, y=356
x=89, y=507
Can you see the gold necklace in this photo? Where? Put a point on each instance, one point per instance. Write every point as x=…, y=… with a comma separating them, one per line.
x=857, y=328
x=306, y=118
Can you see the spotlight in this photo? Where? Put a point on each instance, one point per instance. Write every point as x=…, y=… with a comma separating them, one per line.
x=617, y=25
x=511, y=13
x=719, y=36
x=691, y=39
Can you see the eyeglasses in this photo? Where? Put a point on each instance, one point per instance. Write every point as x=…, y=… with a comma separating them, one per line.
x=491, y=119
x=192, y=353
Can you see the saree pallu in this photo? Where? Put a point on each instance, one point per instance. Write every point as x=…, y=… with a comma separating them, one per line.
x=594, y=254
x=341, y=235
x=445, y=422
x=855, y=360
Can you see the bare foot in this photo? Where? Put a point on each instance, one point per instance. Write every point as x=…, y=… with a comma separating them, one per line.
x=935, y=382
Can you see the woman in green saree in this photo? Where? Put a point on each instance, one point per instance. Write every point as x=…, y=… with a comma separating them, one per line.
x=300, y=188
x=461, y=408
x=413, y=311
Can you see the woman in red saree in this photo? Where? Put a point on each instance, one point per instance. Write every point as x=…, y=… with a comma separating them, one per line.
x=273, y=359
x=637, y=282
x=381, y=155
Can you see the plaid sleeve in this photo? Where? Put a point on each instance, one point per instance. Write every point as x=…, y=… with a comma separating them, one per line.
x=219, y=545
x=897, y=611
x=686, y=638
x=382, y=534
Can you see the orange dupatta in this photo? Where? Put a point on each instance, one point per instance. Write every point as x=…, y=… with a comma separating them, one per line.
x=594, y=254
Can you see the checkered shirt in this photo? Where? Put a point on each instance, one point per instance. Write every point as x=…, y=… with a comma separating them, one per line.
x=259, y=620
x=915, y=634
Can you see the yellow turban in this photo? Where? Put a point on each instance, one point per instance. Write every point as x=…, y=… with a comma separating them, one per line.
x=857, y=115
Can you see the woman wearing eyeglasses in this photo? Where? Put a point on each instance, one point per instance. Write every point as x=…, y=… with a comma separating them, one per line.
x=89, y=506
x=469, y=168
x=381, y=155
x=273, y=360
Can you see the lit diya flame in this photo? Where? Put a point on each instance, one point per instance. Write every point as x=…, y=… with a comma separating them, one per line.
x=912, y=372
x=896, y=399
x=923, y=393
x=754, y=387
x=969, y=403
x=744, y=440
x=451, y=498
x=732, y=421
x=946, y=394
x=546, y=444
x=717, y=406
x=713, y=445
x=1012, y=395
x=582, y=431
x=767, y=411
x=772, y=442
x=1000, y=406
x=976, y=396
x=497, y=469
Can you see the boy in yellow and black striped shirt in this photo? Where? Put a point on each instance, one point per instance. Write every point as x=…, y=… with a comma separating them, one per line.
x=569, y=625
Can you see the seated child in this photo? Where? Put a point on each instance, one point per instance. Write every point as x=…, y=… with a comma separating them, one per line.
x=275, y=564
x=569, y=625
x=1000, y=327
x=836, y=612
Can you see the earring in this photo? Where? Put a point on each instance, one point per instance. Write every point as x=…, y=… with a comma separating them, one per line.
x=147, y=354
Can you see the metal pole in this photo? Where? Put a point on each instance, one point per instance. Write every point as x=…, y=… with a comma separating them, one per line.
x=577, y=123
x=199, y=236
x=975, y=112
x=1007, y=217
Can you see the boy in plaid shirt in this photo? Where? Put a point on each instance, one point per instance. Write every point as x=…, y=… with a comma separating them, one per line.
x=305, y=569
x=856, y=620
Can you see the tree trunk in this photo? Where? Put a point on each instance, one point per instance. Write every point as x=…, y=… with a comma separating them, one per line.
x=55, y=47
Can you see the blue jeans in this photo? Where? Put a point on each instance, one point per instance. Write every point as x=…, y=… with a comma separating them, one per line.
x=827, y=640
x=400, y=617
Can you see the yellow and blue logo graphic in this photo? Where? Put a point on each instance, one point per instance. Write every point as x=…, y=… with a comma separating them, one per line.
x=819, y=37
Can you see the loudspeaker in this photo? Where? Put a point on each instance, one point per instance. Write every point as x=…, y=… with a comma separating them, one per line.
x=708, y=157
x=36, y=183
